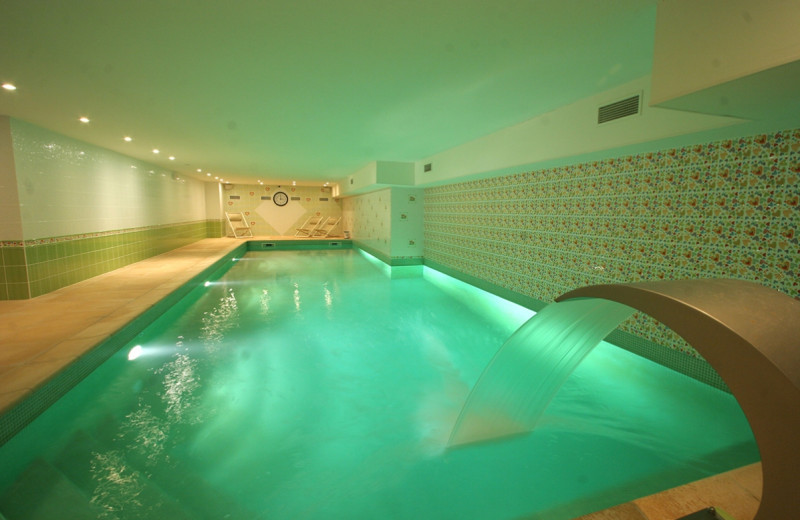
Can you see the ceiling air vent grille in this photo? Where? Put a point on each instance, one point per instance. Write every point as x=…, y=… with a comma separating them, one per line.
x=624, y=108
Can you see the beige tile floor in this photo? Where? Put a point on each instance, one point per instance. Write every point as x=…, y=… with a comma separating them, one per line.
x=736, y=492
x=41, y=336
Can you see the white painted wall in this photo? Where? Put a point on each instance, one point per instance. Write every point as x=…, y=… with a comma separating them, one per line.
x=68, y=187
x=377, y=175
x=700, y=44
x=359, y=180
x=213, y=198
x=10, y=217
x=395, y=173
x=565, y=132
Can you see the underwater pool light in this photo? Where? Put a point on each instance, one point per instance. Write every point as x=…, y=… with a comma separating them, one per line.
x=135, y=352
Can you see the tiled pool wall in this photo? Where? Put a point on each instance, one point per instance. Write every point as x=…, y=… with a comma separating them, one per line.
x=31, y=268
x=299, y=245
x=722, y=209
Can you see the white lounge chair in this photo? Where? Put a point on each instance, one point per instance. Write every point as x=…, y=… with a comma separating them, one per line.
x=238, y=225
x=327, y=227
x=309, y=226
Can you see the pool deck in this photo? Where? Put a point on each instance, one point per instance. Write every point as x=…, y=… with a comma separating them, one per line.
x=41, y=336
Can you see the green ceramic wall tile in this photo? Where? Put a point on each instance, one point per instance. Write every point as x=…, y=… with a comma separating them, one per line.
x=13, y=255
x=32, y=254
x=16, y=274
x=18, y=291
x=68, y=260
x=37, y=289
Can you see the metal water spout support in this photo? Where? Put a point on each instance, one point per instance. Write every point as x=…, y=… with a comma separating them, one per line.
x=750, y=334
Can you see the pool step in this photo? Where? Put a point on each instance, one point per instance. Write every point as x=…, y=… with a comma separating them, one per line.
x=42, y=492
x=176, y=488
x=113, y=482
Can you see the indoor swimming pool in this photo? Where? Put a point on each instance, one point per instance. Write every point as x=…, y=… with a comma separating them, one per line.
x=325, y=385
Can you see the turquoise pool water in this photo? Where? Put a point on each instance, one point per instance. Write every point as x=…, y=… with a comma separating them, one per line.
x=324, y=385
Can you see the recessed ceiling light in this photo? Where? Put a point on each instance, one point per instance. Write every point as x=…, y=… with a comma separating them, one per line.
x=156, y=150
x=208, y=174
x=200, y=170
x=83, y=119
x=9, y=86
x=171, y=157
x=127, y=139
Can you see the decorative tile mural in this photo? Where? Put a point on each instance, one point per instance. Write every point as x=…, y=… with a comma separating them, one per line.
x=268, y=219
x=725, y=209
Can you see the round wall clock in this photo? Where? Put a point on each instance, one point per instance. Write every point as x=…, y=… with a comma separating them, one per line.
x=280, y=198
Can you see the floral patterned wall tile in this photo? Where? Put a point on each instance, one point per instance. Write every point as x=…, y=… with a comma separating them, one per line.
x=721, y=209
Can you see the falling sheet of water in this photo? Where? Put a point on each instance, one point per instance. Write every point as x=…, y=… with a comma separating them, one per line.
x=531, y=366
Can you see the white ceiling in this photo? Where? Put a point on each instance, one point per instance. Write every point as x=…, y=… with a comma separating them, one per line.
x=308, y=90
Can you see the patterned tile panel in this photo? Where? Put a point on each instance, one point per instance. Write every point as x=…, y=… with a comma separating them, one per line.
x=266, y=218
x=370, y=216
x=722, y=209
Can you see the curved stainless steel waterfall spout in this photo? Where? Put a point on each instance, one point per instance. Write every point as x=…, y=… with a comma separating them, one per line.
x=751, y=335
